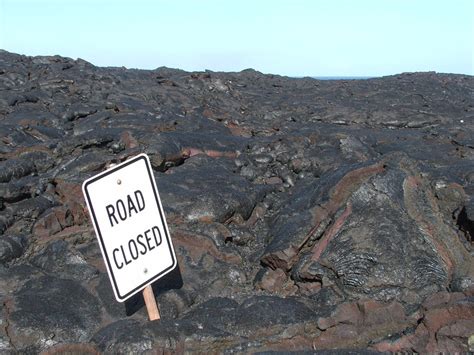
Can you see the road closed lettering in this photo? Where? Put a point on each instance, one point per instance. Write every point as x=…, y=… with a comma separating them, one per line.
x=130, y=225
x=124, y=210
x=140, y=245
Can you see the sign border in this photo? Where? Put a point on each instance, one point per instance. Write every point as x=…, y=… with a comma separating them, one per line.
x=97, y=177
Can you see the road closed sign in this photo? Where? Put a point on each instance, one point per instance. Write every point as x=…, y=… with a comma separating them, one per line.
x=130, y=225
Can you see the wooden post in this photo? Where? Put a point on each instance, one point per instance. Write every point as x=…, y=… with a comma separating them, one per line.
x=150, y=302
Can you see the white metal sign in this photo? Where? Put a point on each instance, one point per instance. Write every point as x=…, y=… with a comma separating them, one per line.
x=130, y=224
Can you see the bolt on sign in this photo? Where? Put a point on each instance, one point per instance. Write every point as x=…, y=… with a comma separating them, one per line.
x=130, y=225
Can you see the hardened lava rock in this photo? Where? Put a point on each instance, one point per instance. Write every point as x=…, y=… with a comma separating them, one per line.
x=306, y=215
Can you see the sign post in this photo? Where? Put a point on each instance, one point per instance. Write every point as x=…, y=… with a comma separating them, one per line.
x=130, y=225
x=150, y=303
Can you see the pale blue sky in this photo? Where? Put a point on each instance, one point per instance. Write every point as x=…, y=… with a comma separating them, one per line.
x=293, y=37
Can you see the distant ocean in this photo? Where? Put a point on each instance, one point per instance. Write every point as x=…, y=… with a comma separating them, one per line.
x=343, y=77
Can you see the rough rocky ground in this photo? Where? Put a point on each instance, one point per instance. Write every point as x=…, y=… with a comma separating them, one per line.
x=306, y=215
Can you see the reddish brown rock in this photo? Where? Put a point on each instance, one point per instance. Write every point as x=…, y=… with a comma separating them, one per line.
x=441, y=299
x=412, y=342
x=72, y=349
x=347, y=313
x=376, y=313
x=277, y=281
x=454, y=337
x=198, y=246
x=49, y=224
x=446, y=325
x=436, y=318
x=340, y=337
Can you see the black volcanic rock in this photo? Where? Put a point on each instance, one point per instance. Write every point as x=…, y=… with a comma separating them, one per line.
x=305, y=214
x=49, y=310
